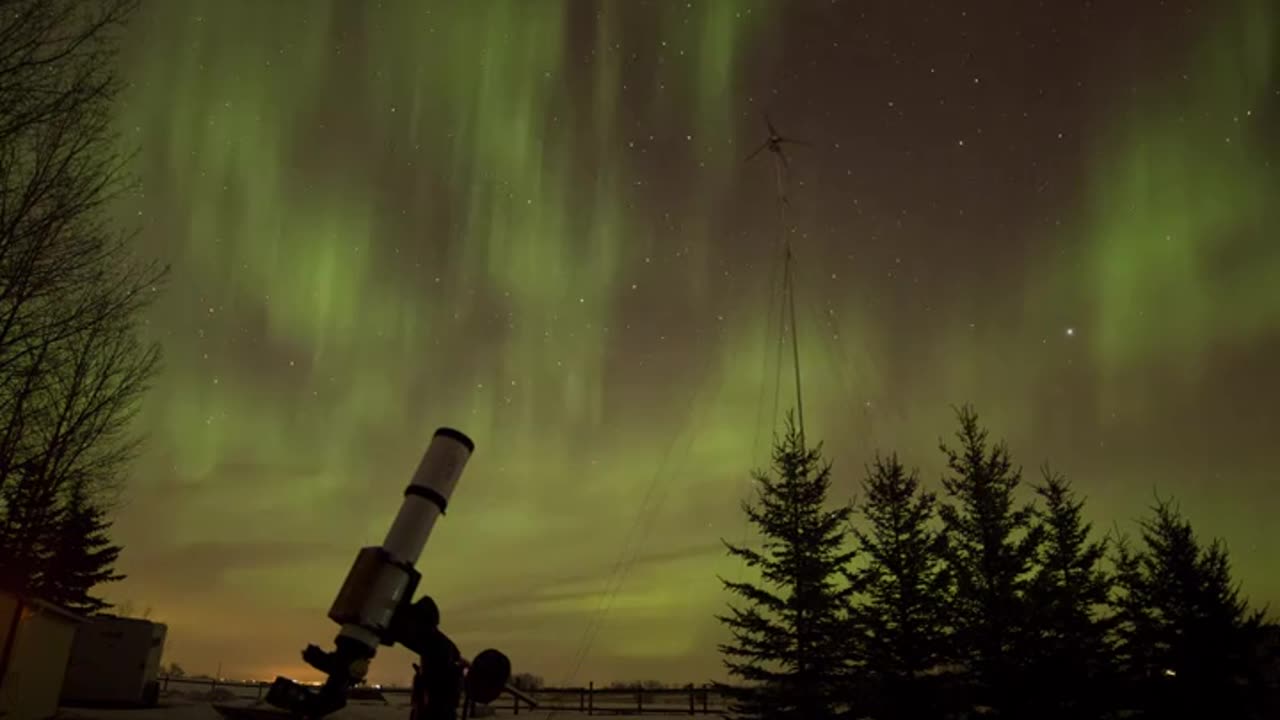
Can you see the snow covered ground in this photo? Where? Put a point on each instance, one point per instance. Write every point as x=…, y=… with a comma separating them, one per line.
x=191, y=710
x=379, y=712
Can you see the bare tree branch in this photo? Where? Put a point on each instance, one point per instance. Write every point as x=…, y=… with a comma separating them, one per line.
x=73, y=368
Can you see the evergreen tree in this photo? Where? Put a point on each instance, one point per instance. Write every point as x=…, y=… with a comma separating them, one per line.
x=24, y=516
x=787, y=643
x=80, y=555
x=1186, y=638
x=992, y=547
x=1070, y=660
x=901, y=624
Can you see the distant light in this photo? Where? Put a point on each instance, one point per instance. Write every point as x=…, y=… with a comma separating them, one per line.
x=1170, y=673
x=1071, y=332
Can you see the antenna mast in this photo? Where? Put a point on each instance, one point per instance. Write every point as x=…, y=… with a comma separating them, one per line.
x=773, y=143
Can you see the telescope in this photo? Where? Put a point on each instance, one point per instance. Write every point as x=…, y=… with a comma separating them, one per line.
x=375, y=607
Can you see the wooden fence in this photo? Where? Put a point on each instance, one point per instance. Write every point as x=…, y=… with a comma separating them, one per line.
x=589, y=700
x=173, y=684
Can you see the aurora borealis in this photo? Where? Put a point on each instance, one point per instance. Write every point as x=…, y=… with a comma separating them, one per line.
x=530, y=220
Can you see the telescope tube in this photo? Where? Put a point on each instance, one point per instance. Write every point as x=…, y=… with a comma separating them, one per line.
x=427, y=495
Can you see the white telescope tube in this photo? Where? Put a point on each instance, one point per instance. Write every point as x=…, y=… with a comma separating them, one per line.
x=428, y=494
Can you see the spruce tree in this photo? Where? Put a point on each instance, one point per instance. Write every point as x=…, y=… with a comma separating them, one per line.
x=788, y=650
x=901, y=623
x=80, y=555
x=25, y=516
x=1070, y=655
x=992, y=547
x=1186, y=638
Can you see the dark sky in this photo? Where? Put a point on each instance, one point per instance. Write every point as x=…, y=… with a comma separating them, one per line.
x=531, y=221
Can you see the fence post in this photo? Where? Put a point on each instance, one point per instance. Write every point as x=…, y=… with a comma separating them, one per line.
x=591, y=697
x=213, y=686
x=692, y=692
x=705, y=694
x=260, y=686
x=582, y=700
x=515, y=704
x=639, y=701
x=164, y=687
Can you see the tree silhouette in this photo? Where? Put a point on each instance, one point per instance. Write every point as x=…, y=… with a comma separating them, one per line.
x=789, y=638
x=901, y=621
x=1267, y=659
x=1070, y=656
x=1186, y=638
x=992, y=547
x=527, y=682
x=80, y=556
x=72, y=365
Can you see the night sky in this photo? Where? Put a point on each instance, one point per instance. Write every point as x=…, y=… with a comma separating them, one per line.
x=530, y=220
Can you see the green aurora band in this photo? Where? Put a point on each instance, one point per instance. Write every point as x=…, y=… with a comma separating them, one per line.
x=1182, y=191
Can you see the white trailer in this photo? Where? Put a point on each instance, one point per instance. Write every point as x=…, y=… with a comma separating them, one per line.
x=114, y=661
